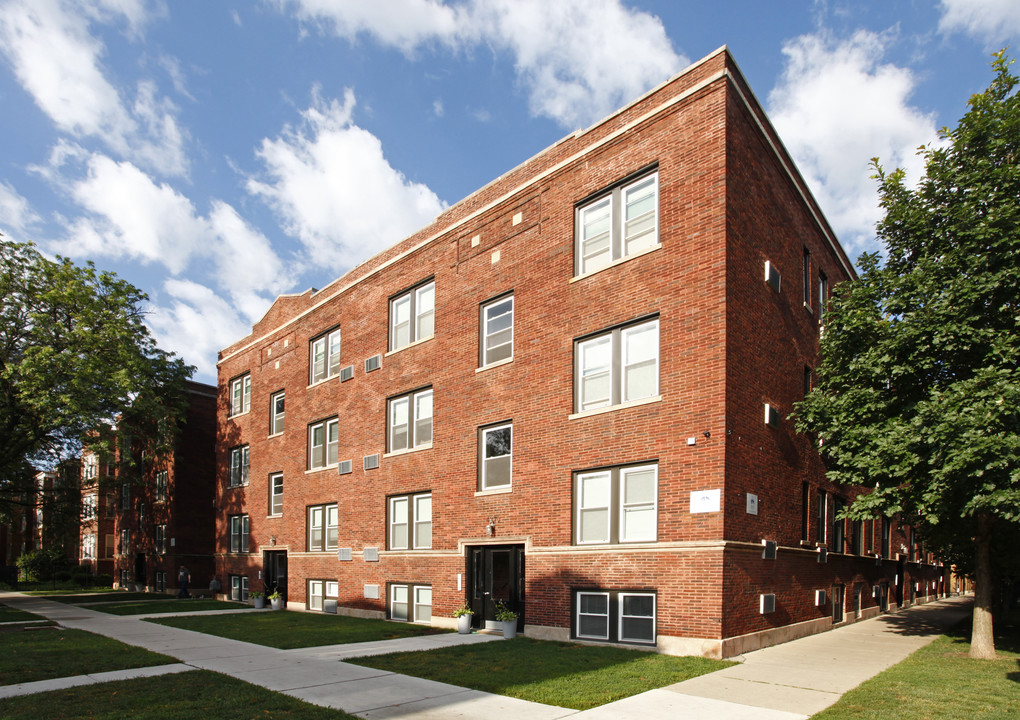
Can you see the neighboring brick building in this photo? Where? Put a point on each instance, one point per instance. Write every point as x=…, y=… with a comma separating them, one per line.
x=568, y=393
x=142, y=518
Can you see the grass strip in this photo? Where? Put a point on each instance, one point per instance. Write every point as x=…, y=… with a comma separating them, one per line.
x=144, y=607
x=940, y=682
x=182, y=696
x=54, y=652
x=554, y=673
x=288, y=630
x=9, y=614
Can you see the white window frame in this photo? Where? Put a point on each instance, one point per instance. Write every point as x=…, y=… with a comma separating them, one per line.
x=240, y=459
x=621, y=604
x=277, y=412
x=324, y=519
x=614, y=237
x=125, y=541
x=412, y=597
x=240, y=395
x=162, y=485
x=276, y=494
x=125, y=496
x=240, y=533
x=330, y=448
x=161, y=539
x=89, y=507
x=324, y=356
x=411, y=512
x=578, y=615
x=484, y=459
x=88, y=546
x=409, y=411
x=615, y=615
x=616, y=368
x=493, y=341
x=415, y=309
x=613, y=503
x=239, y=588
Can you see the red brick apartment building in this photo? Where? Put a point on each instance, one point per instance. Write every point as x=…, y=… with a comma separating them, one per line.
x=141, y=521
x=569, y=394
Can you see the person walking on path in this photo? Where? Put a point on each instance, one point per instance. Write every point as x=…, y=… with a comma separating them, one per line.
x=183, y=578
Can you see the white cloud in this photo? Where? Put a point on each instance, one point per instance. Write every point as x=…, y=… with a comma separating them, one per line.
x=59, y=62
x=195, y=323
x=836, y=107
x=579, y=60
x=334, y=189
x=437, y=108
x=15, y=213
x=994, y=21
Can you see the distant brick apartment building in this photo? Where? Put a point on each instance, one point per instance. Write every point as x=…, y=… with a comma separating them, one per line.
x=569, y=394
x=142, y=518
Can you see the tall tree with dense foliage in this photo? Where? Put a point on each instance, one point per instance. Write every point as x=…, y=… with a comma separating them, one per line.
x=918, y=392
x=75, y=357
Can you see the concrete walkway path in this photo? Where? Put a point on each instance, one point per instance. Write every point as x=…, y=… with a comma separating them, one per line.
x=785, y=682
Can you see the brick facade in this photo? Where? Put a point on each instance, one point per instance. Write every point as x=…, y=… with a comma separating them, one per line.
x=728, y=200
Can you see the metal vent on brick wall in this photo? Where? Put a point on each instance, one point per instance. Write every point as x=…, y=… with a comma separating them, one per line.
x=344, y=554
x=345, y=467
x=772, y=276
x=373, y=363
x=769, y=549
x=371, y=462
x=771, y=415
x=371, y=554
x=346, y=373
x=372, y=592
x=820, y=598
x=767, y=603
x=329, y=606
x=823, y=555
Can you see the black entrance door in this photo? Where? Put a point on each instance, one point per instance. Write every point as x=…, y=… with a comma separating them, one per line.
x=276, y=572
x=496, y=576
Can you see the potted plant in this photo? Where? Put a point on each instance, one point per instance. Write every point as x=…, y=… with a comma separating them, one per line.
x=276, y=599
x=257, y=599
x=509, y=619
x=463, y=615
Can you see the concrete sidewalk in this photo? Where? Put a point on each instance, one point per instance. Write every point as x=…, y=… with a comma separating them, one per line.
x=785, y=682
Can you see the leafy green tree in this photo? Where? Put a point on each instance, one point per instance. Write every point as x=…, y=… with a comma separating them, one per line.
x=918, y=392
x=75, y=358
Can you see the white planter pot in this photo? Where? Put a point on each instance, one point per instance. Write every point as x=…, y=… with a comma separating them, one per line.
x=509, y=629
x=464, y=624
x=277, y=603
x=259, y=603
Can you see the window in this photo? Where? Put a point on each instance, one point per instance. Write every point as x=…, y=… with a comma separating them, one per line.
x=240, y=395
x=160, y=581
x=838, y=598
x=162, y=482
x=276, y=494
x=238, y=533
x=616, y=505
x=616, y=616
x=239, y=588
x=413, y=316
x=276, y=413
x=88, y=547
x=823, y=295
x=411, y=522
x=91, y=469
x=410, y=421
x=620, y=223
x=857, y=537
x=89, y=507
x=239, y=466
x=496, y=451
x=125, y=542
x=323, y=441
x=820, y=516
x=618, y=366
x=141, y=515
x=319, y=590
x=808, y=380
x=497, y=331
x=807, y=278
x=886, y=536
x=161, y=539
x=323, y=521
x=125, y=496
x=838, y=526
x=324, y=356
x=411, y=603
x=108, y=546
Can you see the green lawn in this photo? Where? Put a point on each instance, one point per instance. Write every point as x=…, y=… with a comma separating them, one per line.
x=144, y=607
x=287, y=630
x=92, y=596
x=9, y=614
x=182, y=696
x=939, y=682
x=554, y=673
x=49, y=652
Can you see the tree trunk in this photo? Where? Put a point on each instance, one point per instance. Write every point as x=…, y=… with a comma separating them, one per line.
x=982, y=640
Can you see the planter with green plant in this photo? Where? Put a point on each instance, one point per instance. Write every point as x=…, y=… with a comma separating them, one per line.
x=464, y=615
x=258, y=599
x=276, y=599
x=508, y=618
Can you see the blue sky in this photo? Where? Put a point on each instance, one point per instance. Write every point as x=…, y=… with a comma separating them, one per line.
x=216, y=154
